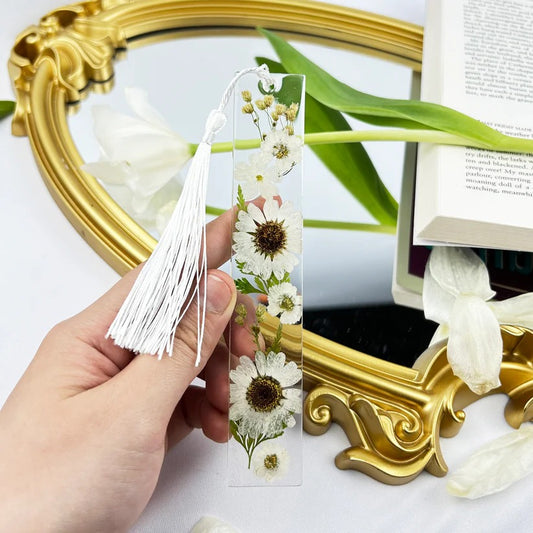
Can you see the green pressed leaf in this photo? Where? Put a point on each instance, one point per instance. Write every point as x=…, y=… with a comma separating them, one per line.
x=348, y=162
x=245, y=287
x=377, y=110
x=234, y=430
x=276, y=343
x=6, y=108
x=241, y=203
x=261, y=285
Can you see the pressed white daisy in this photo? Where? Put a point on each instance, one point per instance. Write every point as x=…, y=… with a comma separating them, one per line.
x=267, y=242
x=140, y=152
x=257, y=179
x=262, y=400
x=270, y=461
x=283, y=300
x=284, y=148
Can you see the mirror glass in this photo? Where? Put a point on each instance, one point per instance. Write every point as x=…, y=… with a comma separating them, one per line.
x=347, y=274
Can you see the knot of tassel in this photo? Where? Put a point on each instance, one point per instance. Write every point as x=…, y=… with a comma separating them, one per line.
x=215, y=122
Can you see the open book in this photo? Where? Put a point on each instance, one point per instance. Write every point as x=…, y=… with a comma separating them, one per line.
x=510, y=271
x=478, y=59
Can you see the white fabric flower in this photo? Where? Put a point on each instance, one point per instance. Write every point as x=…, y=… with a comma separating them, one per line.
x=262, y=400
x=140, y=152
x=267, y=241
x=256, y=178
x=283, y=300
x=495, y=466
x=284, y=148
x=270, y=461
x=455, y=294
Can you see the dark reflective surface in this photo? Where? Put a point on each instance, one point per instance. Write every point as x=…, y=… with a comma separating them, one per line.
x=390, y=332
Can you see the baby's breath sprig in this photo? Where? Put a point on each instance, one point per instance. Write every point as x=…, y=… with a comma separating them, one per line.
x=249, y=109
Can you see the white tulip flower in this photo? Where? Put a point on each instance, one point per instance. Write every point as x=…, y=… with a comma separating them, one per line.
x=141, y=152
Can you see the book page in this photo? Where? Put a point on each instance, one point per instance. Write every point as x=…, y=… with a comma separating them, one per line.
x=498, y=59
x=485, y=54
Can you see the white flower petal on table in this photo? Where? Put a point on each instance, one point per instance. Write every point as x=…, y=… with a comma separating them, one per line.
x=460, y=271
x=475, y=344
x=210, y=524
x=495, y=466
x=515, y=311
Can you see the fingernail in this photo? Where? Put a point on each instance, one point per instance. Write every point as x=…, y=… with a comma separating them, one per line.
x=218, y=294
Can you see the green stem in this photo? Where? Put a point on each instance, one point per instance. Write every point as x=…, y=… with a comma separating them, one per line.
x=326, y=224
x=352, y=226
x=508, y=144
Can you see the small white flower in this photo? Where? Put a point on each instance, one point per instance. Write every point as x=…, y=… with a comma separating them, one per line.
x=270, y=461
x=262, y=400
x=495, y=466
x=283, y=300
x=267, y=241
x=140, y=152
x=284, y=148
x=257, y=179
x=455, y=294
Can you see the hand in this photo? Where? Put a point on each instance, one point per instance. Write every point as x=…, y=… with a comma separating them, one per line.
x=84, y=433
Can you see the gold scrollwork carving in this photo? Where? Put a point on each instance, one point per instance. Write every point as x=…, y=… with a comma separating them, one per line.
x=394, y=437
x=75, y=43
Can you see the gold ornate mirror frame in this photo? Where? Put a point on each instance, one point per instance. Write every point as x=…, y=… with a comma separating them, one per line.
x=392, y=415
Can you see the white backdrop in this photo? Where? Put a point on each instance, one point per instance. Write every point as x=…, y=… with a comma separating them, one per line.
x=48, y=273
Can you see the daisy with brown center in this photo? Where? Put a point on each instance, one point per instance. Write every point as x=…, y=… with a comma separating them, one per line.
x=262, y=397
x=267, y=242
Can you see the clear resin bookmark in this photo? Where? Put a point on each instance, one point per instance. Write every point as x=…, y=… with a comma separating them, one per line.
x=265, y=374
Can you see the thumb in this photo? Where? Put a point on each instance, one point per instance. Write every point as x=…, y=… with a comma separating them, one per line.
x=156, y=386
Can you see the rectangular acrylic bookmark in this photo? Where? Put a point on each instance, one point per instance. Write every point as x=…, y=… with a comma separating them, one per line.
x=265, y=414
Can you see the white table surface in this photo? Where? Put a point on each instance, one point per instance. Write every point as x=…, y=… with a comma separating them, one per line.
x=48, y=273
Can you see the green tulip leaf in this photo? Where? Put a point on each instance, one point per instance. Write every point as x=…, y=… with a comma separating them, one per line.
x=6, y=108
x=348, y=162
x=290, y=91
x=377, y=110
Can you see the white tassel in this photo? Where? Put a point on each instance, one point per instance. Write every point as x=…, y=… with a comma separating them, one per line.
x=171, y=278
